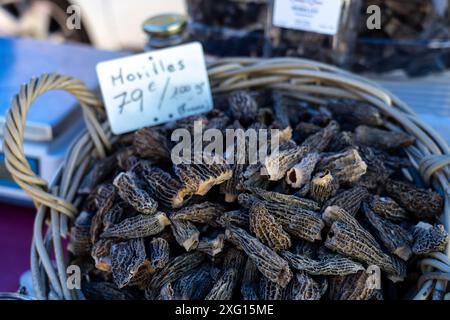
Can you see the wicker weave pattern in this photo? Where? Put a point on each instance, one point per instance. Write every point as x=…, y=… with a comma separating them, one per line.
x=299, y=78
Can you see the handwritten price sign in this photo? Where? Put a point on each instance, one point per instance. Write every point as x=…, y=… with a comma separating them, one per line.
x=152, y=88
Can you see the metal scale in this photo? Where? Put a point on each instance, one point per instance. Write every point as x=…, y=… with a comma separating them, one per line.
x=54, y=119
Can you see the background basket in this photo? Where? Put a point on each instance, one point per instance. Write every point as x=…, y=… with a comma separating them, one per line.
x=306, y=80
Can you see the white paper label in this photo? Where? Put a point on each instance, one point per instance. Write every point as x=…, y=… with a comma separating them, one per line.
x=321, y=16
x=155, y=87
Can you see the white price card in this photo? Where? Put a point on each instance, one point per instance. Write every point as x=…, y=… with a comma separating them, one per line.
x=320, y=16
x=155, y=87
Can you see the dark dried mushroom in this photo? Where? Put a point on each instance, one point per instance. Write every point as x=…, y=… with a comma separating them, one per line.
x=80, y=234
x=297, y=221
x=100, y=172
x=186, y=233
x=101, y=253
x=213, y=245
x=300, y=174
x=250, y=281
x=382, y=139
x=205, y=212
x=224, y=287
x=243, y=106
x=266, y=260
x=238, y=218
x=201, y=177
x=304, y=287
x=129, y=189
x=330, y=264
x=176, y=268
x=420, y=202
x=347, y=166
x=287, y=199
x=396, y=239
x=106, y=291
x=127, y=260
x=267, y=230
x=346, y=236
x=194, y=285
x=323, y=186
x=355, y=112
x=166, y=293
x=387, y=208
x=159, y=253
x=269, y=290
x=162, y=186
x=351, y=287
x=429, y=238
x=278, y=163
x=151, y=144
x=138, y=226
x=350, y=200
x=320, y=140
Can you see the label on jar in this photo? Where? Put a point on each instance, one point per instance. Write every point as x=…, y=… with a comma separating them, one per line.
x=321, y=16
x=152, y=88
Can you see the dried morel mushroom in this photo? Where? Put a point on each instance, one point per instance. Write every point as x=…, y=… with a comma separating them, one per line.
x=330, y=264
x=139, y=226
x=429, y=238
x=304, y=287
x=266, y=260
x=212, y=245
x=159, y=253
x=323, y=186
x=250, y=281
x=277, y=164
x=243, y=106
x=297, y=221
x=387, y=208
x=186, y=234
x=394, y=237
x=300, y=174
x=238, y=218
x=127, y=260
x=205, y=212
x=194, y=285
x=175, y=269
x=130, y=191
x=303, y=223
x=351, y=287
x=80, y=234
x=382, y=139
x=269, y=290
x=162, y=186
x=350, y=200
x=355, y=112
x=421, y=203
x=346, y=236
x=224, y=287
x=101, y=253
x=151, y=144
x=266, y=229
x=200, y=177
x=346, y=166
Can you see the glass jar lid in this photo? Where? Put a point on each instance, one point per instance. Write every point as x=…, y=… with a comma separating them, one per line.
x=165, y=25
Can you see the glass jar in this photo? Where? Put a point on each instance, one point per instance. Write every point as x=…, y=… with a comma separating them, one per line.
x=414, y=36
x=165, y=30
x=323, y=30
x=229, y=27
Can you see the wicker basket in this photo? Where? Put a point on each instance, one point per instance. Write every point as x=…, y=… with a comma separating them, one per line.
x=307, y=80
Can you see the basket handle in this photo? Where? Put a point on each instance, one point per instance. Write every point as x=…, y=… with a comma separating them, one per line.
x=16, y=163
